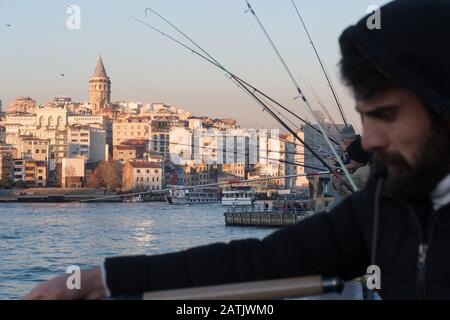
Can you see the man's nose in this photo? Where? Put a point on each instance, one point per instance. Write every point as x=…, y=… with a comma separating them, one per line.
x=374, y=136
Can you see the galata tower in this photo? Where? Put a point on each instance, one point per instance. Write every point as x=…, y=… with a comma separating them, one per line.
x=99, y=88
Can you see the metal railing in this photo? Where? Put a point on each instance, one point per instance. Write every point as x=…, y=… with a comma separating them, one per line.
x=262, y=209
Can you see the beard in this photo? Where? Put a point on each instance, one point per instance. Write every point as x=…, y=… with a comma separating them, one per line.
x=417, y=181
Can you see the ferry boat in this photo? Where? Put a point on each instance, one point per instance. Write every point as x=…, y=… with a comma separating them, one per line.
x=194, y=196
x=238, y=196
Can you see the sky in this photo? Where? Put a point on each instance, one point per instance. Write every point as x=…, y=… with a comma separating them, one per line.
x=146, y=67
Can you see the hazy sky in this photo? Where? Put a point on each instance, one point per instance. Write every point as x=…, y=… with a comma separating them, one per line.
x=144, y=66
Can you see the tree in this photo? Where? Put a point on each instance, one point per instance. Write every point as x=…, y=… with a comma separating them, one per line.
x=6, y=183
x=20, y=184
x=108, y=174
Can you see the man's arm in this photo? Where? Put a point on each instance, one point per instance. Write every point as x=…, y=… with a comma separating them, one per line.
x=328, y=244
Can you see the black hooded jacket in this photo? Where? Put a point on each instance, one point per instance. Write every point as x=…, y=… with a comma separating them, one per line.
x=413, y=247
x=337, y=243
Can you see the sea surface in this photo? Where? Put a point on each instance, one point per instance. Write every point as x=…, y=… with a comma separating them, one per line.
x=39, y=240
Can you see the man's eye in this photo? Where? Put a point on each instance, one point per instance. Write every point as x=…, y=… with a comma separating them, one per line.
x=387, y=115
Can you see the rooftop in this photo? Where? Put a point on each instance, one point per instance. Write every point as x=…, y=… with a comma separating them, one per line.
x=100, y=69
x=144, y=164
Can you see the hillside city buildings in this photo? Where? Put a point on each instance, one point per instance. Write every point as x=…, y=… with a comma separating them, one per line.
x=61, y=143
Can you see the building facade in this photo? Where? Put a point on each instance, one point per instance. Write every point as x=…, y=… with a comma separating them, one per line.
x=130, y=128
x=143, y=175
x=73, y=172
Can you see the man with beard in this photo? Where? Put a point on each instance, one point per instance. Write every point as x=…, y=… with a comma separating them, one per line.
x=400, y=75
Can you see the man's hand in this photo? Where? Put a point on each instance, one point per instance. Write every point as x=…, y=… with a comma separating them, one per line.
x=56, y=288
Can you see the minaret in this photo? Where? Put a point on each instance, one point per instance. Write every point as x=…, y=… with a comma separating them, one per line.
x=99, y=88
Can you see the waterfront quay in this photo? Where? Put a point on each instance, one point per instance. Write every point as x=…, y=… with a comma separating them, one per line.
x=57, y=195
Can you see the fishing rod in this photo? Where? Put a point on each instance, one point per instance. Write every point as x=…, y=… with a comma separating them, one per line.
x=307, y=123
x=237, y=79
x=281, y=140
x=325, y=72
x=261, y=157
x=266, y=150
x=320, y=102
x=303, y=97
x=250, y=91
x=318, y=173
x=300, y=164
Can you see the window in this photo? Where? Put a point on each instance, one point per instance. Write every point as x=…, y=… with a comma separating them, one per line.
x=44, y=150
x=138, y=171
x=37, y=151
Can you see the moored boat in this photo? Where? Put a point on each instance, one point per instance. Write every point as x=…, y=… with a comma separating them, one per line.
x=238, y=196
x=194, y=196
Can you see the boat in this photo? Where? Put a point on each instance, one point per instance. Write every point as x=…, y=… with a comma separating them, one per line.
x=238, y=196
x=133, y=199
x=194, y=196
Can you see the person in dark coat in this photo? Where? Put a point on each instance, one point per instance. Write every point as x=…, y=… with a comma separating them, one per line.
x=400, y=75
x=358, y=166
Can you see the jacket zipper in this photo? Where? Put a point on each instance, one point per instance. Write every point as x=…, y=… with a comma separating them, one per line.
x=421, y=270
x=423, y=250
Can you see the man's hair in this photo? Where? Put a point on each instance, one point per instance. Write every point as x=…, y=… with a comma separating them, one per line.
x=366, y=79
x=361, y=74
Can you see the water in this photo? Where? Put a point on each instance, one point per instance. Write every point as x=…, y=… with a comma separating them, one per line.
x=39, y=241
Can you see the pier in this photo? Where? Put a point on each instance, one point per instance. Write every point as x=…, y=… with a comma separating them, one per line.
x=262, y=217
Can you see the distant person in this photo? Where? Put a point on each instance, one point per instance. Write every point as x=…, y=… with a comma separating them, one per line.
x=400, y=76
x=358, y=167
x=348, y=135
